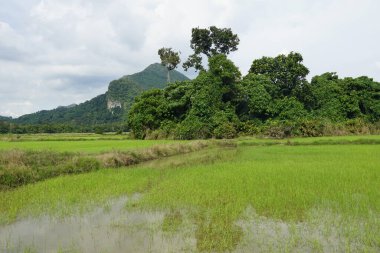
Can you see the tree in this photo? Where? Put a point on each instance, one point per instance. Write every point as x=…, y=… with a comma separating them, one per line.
x=169, y=59
x=210, y=42
x=147, y=113
x=255, y=98
x=286, y=71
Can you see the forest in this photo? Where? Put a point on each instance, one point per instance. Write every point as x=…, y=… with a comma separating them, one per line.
x=274, y=98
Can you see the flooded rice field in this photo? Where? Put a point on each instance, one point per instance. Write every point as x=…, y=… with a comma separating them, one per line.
x=117, y=228
x=108, y=229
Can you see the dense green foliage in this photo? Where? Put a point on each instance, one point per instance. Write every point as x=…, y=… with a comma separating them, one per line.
x=274, y=98
x=210, y=42
x=169, y=58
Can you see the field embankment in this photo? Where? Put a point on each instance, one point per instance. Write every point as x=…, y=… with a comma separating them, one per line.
x=20, y=167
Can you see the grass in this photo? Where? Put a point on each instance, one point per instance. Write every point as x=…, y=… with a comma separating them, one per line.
x=22, y=167
x=326, y=140
x=62, y=136
x=85, y=146
x=294, y=185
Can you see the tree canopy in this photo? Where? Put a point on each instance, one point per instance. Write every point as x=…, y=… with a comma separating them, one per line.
x=274, y=98
x=210, y=42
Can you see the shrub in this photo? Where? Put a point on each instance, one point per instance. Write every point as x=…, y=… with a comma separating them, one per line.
x=225, y=131
x=192, y=128
x=16, y=176
x=311, y=128
x=80, y=165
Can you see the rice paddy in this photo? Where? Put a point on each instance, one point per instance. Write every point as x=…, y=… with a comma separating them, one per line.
x=299, y=195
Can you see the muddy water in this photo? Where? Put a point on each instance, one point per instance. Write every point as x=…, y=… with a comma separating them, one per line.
x=114, y=228
x=108, y=229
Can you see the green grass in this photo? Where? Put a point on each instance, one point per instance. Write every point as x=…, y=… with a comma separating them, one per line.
x=62, y=136
x=287, y=183
x=85, y=146
x=326, y=140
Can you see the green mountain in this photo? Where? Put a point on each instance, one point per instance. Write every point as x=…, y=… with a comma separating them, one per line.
x=93, y=111
x=122, y=92
x=109, y=107
x=4, y=118
x=155, y=76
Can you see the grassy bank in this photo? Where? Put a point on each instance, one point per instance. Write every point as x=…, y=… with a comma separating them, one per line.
x=214, y=189
x=19, y=167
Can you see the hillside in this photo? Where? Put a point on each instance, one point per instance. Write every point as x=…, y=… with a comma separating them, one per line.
x=109, y=107
x=91, y=112
x=155, y=76
x=4, y=118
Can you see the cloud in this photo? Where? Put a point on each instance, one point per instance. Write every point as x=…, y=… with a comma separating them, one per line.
x=61, y=52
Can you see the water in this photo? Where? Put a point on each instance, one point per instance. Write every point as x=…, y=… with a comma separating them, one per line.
x=114, y=228
x=108, y=229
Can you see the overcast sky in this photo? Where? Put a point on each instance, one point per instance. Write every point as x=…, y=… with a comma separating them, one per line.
x=59, y=52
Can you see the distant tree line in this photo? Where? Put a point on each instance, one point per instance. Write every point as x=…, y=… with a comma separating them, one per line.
x=274, y=98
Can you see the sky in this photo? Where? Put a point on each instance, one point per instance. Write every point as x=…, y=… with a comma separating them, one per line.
x=60, y=52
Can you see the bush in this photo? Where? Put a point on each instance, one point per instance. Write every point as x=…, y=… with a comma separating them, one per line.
x=225, y=131
x=279, y=129
x=18, y=167
x=311, y=128
x=13, y=177
x=80, y=165
x=192, y=128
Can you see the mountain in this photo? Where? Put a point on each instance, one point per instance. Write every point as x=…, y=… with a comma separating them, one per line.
x=155, y=76
x=4, y=118
x=122, y=92
x=90, y=112
x=109, y=107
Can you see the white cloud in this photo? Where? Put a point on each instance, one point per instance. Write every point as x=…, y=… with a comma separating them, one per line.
x=61, y=52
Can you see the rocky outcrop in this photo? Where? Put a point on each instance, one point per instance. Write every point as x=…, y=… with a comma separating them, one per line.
x=113, y=104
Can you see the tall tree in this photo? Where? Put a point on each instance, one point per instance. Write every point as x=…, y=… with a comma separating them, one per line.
x=169, y=58
x=286, y=71
x=210, y=42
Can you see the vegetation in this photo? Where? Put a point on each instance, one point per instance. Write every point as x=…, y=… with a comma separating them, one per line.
x=19, y=167
x=286, y=193
x=33, y=163
x=89, y=113
x=155, y=76
x=12, y=128
x=210, y=42
x=274, y=98
x=3, y=118
x=314, y=189
x=169, y=59
x=81, y=143
x=94, y=115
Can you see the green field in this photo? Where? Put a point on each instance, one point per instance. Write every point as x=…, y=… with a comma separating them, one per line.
x=250, y=198
x=87, y=143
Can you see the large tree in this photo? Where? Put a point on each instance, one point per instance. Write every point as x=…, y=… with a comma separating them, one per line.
x=210, y=42
x=286, y=71
x=169, y=59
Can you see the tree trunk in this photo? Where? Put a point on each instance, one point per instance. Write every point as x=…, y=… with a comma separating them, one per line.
x=168, y=76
